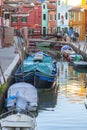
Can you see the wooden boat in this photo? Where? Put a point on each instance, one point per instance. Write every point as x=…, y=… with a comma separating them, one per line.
x=80, y=64
x=39, y=69
x=22, y=96
x=12, y=120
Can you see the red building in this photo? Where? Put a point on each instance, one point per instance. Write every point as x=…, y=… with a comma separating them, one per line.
x=28, y=15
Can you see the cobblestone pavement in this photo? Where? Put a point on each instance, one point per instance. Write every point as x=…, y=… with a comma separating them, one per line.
x=7, y=55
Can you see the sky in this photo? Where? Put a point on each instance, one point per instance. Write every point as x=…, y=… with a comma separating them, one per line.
x=74, y=2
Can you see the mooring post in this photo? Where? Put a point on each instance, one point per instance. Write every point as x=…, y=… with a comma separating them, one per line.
x=2, y=73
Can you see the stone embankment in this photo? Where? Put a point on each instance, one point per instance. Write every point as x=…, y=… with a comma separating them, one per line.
x=8, y=61
x=80, y=47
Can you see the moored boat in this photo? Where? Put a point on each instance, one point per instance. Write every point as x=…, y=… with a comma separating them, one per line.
x=12, y=120
x=80, y=64
x=80, y=70
x=39, y=69
x=66, y=50
x=22, y=96
x=74, y=57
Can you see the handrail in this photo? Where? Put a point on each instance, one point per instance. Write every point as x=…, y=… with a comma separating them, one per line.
x=15, y=111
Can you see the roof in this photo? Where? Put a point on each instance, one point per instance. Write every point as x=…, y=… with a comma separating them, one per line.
x=76, y=8
x=24, y=1
x=8, y=7
x=51, y=6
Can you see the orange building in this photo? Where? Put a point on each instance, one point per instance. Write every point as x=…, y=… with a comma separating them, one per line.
x=78, y=20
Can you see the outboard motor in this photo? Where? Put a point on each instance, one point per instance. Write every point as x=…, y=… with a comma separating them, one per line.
x=21, y=103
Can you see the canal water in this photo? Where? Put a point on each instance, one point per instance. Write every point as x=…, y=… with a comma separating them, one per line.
x=63, y=108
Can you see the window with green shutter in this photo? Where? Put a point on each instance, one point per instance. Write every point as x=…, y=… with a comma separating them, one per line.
x=24, y=19
x=14, y=19
x=31, y=31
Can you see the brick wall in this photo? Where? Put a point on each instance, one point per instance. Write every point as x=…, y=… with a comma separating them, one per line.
x=8, y=38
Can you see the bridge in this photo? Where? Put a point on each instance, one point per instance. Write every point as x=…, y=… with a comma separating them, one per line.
x=52, y=41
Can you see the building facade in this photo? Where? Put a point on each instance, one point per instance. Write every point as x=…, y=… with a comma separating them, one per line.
x=29, y=16
x=62, y=16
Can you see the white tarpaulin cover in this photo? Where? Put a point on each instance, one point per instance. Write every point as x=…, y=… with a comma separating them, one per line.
x=22, y=92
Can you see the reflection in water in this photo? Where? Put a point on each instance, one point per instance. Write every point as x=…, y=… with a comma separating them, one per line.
x=69, y=108
x=71, y=84
x=62, y=73
x=47, y=99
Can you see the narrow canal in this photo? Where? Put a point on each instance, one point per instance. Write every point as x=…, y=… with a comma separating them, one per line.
x=64, y=107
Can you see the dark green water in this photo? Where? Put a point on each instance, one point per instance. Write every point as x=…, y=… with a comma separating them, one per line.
x=64, y=108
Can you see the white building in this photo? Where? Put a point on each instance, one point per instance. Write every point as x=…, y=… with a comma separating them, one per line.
x=62, y=15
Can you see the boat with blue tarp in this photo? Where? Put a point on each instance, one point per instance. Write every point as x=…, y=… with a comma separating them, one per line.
x=38, y=69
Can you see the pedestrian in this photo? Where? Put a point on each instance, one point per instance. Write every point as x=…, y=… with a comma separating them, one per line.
x=70, y=33
x=77, y=36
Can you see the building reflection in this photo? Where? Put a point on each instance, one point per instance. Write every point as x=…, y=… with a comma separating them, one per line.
x=71, y=84
x=47, y=99
x=62, y=77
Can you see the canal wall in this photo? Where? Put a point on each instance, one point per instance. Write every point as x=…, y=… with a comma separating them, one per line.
x=6, y=79
x=80, y=48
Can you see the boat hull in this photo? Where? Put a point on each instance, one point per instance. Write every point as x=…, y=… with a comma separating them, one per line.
x=39, y=69
x=11, y=121
x=80, y=64
x=28, y=77
x=42, y=81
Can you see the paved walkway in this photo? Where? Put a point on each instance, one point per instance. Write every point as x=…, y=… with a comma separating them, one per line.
x=6, y=57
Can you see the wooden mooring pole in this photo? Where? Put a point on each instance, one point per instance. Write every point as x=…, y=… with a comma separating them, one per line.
x=2, y=75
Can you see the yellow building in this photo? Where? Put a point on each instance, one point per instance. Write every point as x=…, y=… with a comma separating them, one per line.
x=77, y=20
x=84, y=4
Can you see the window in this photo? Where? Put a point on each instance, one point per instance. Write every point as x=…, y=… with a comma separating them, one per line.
x=58, y=2
x=43, y=6
x=58, y=15
x=51, y=29
x=50, y=17
x=24, y=19
x=55, y=17
x=15, y=31
x=31, y=31
x=44, y=16
x=71, y=15
x=66, y=15
x=58, y=29
x=19, y=9
x=66, y=30
x=14, y=19
x=79, y=16
x=20, y=3
x=86, y=1
x=44, y=30
x=74, y=16
x=7, y=16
